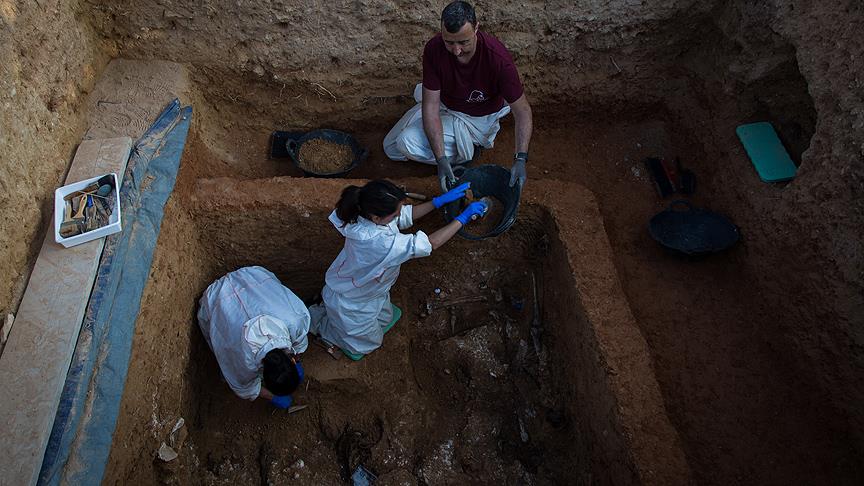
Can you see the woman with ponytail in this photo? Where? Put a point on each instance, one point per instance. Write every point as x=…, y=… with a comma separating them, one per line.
x=356, y=309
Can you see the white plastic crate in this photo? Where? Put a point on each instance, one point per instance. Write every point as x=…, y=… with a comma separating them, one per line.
x=113, y=226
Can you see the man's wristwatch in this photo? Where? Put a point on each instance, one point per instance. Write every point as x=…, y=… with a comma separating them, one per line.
x=523, y=156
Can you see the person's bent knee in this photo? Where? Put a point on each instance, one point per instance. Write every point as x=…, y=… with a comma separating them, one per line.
x=414, y=149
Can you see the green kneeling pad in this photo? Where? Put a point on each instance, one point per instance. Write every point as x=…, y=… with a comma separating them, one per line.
x=767, y=153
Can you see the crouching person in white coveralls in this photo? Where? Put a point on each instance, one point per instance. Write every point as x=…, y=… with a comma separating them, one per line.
x=257, y=329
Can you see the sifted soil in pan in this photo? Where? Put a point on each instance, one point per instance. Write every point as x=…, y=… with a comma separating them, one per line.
x=323, y=157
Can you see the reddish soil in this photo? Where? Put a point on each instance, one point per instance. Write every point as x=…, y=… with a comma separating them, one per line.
x=605, y=415
x=759, y=351
x=456, y=394
x=742, y=410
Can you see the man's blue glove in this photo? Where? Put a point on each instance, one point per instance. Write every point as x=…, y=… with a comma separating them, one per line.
x=454, y=194
x=476, y=208
x=517, y=171
x=283, y=401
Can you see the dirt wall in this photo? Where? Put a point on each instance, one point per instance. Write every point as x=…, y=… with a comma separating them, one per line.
x=370, y=51
x=49, y=60
x=240, y=221
x=354, y=64
x=609, y=456
x=825, y=207
x=290, y=64
x=804, y=238
x=156, y=393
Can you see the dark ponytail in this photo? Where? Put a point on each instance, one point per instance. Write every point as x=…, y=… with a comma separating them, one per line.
x=377, y=198
x=348, y=206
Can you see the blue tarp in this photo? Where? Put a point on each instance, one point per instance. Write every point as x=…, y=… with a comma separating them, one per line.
x=81, y=439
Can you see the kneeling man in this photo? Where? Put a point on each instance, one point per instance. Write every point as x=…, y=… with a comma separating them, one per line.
x=469, y=83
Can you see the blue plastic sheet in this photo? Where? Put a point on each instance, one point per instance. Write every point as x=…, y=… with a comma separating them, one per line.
x=81, y=438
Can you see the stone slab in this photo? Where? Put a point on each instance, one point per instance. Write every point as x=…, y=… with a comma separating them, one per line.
x=130, y=94
x=36, y=358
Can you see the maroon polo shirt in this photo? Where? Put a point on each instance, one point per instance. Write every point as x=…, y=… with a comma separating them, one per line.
x=478, y=88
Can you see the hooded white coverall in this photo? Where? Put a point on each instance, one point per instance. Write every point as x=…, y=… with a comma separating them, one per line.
x=357, y=286
x=246, y=314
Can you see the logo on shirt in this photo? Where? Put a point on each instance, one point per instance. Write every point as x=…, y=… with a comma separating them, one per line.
x=476, y=96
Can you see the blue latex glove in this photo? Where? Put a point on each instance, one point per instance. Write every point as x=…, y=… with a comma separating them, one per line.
x=299, y=371
x=454, y=194
x=282, y=402
x=476, y=208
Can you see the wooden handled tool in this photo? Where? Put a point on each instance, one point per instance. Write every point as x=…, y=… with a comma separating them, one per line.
x=82, y=205
x=417, y=196
x=90, y=189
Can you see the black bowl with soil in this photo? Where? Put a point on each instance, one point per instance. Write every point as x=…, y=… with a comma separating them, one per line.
x=325, y=153
x=492, y=181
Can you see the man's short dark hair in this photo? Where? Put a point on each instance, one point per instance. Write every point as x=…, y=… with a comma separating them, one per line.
x=280, y=373
x=456, y=14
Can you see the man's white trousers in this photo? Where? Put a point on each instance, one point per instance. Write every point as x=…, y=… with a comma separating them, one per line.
x=407, y=140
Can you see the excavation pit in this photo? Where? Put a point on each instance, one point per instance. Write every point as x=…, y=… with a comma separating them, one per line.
x=464, y=389
x=754, y=350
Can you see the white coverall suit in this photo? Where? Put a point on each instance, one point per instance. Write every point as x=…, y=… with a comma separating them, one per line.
x=356, y=293
x=407, y=139
x=246, y=314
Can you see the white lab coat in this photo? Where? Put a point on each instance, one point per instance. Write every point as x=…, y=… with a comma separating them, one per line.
x=357, y=286
x=246, y=314
x=407, y=139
